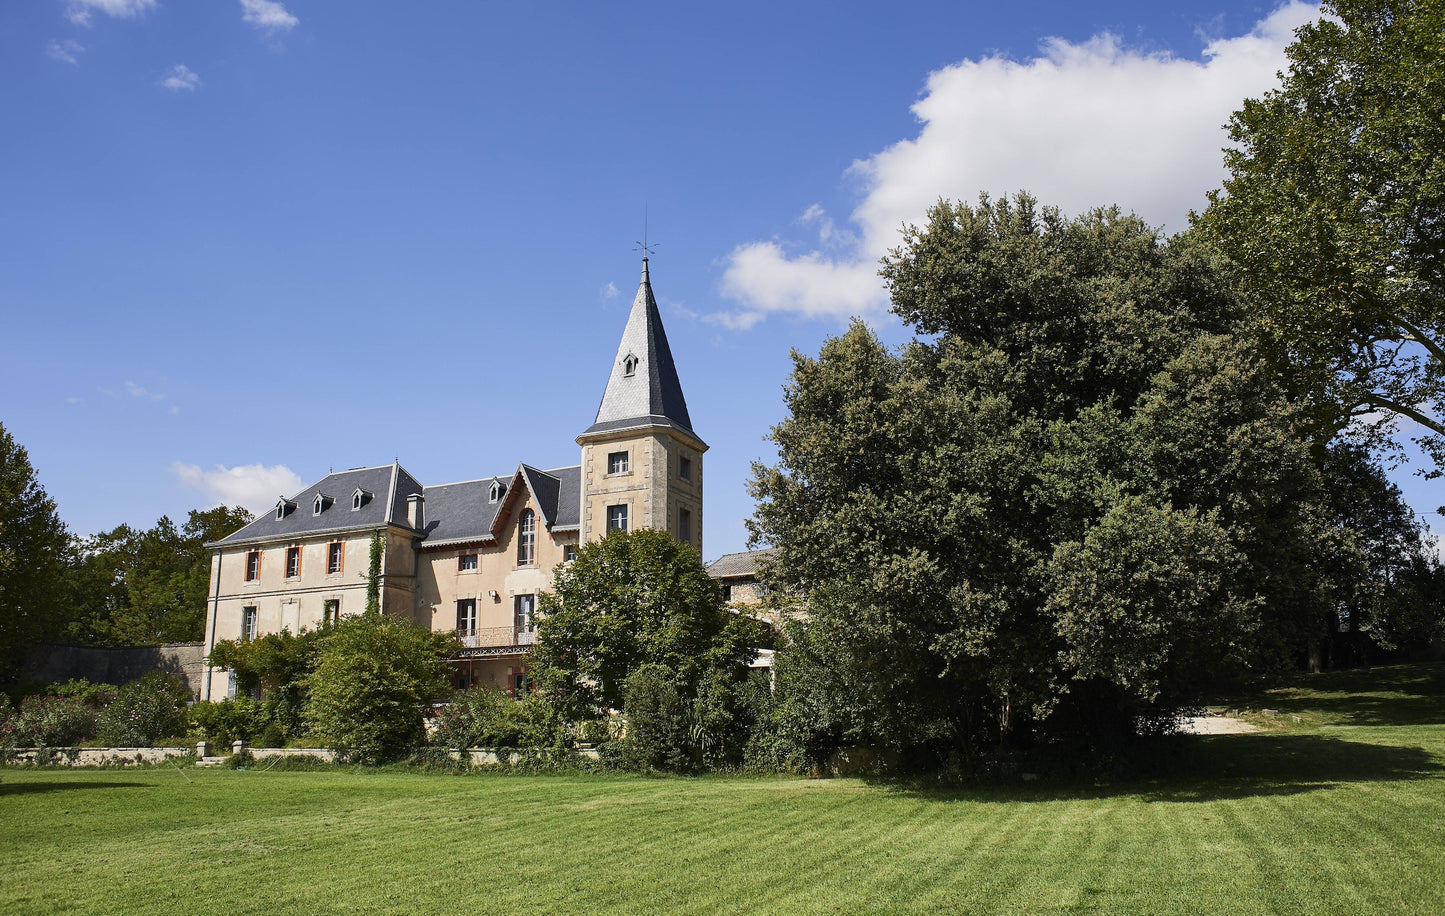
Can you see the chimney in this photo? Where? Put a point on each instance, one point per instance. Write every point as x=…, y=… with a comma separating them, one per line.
x=416, y=511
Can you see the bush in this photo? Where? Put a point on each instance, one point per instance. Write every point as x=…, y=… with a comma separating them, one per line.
x=658, y=731
x=224, y=722
x=48, y=722
x=373, y=677
x=144, y=712
x=95, y=696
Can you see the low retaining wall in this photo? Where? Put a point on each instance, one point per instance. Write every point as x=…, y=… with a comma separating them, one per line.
x=98, y=756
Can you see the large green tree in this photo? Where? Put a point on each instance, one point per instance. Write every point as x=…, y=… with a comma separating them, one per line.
x=33, y=552
x=1335, y=211
x=1063, y=511
x=135, y=587
x=629, y=600
x=373, y=678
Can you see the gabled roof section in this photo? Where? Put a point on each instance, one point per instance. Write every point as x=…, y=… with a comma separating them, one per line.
x=739, y=565
x=385, y=480
x=643, y=389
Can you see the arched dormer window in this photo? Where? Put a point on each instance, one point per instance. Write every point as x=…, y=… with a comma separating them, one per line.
x=527, y=538
x=629, y=365
x=359, y=498
x=321, y=503
x=496, y=492
x=284, y=508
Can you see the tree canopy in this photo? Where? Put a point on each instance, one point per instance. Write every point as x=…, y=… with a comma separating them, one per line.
x=33, y=553
x=1335, y=212
x=1079, y=499
x=630, y=599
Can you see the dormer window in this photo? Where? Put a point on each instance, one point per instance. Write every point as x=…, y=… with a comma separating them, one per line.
x=629, y=366
x=496, y=492
x=359, y=498
x=321, y=503
x=284, y=508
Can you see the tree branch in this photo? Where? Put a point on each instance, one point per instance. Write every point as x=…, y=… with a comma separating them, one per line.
x=1404, y=411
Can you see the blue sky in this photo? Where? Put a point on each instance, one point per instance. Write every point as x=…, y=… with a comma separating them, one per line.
x=248, y=241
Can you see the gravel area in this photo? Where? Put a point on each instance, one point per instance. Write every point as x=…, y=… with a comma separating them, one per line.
x=1218, y=725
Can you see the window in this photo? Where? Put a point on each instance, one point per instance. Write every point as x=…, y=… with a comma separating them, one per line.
x=334, y=552
x=293, y=562
x=727, y=593
x=330, y=611
x=467, y=616
x=527, y=538
x=466, y=562
x=359, y=498
x=684, y=526
x=248, y=624
x=495, y=493
x=521, y=684
x=617, y=463
x=321, y=503
x=629, y=365
x=684, y=468
x=616, y=518
x=253, y=565
x=569, y=553
x=522, y=608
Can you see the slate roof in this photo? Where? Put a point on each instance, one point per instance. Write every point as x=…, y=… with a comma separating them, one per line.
x=652, y=394
x=463, y=512
x=736, y=565
x=388, y=485
x=459, y=512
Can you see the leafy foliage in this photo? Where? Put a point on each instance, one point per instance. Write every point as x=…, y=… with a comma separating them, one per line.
x=33, y=553
x=139, y=588
x=1335, y=210
x=482, y=717
x=658, y=736
x=145, y=711
x=630, y=599
x=1081, y=499
x=374, y=674
x=278, y=664
x=49, y=722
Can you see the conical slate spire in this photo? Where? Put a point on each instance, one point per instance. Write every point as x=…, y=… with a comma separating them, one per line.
x=643, y=389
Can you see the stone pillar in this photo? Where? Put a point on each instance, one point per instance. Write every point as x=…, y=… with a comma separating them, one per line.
x=203, y=750
x=238, y=747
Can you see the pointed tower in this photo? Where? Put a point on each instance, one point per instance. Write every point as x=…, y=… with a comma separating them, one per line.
x=641, y=461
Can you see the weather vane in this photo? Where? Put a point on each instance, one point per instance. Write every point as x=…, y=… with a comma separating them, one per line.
x=642, y=246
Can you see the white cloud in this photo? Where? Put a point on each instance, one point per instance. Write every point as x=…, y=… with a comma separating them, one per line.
x=67, y=51
x=136, y=391
x=1079, y=126
x=267, y=14
x=252, y=486
x=79, y=11
x=181, y=79
x=74, y=401
x=609, y=291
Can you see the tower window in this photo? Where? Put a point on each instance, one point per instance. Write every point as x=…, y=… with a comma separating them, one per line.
x=617, y=463
x=629, y=366
x=527, y=539
x=684, y=468
x=684, y=526
x=616, y=518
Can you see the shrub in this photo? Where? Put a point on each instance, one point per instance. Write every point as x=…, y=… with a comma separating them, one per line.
x=470, y=719
x=144, y=712
x=224, y=722
x=658, y=731
x=95, y=696
x=373, y=677
x=48, y=722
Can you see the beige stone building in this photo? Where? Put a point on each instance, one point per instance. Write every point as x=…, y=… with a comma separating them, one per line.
x=472, y=556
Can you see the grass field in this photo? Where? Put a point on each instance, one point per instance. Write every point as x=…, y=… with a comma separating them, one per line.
x=1342, y=811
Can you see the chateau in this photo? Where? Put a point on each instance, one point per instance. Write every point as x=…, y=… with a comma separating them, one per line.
x=472, y=556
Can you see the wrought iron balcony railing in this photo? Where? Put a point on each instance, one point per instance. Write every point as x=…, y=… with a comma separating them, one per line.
x=496, y=637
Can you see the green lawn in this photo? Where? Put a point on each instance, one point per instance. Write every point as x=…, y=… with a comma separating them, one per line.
x=1340, y=812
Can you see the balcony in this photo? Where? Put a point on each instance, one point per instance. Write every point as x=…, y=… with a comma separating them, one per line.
x=482, y=642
